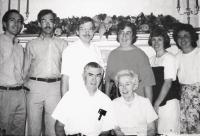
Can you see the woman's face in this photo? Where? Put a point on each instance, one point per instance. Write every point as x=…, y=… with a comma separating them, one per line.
x=125, y=36
x=158, y=43
x=126, y=87
x=184, y=40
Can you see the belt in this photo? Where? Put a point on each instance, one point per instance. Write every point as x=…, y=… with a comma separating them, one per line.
x=48, y=80
x=78, y=134
x=16, y=88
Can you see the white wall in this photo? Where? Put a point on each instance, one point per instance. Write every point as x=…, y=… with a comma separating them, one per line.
x=68, y=8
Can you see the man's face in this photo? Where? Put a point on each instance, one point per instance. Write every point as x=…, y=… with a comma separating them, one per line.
x=86, y=32
x=14, y=24
x=92, y=77
x=47, y=24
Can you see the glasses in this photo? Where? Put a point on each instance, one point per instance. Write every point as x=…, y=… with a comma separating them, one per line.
x=128, y=33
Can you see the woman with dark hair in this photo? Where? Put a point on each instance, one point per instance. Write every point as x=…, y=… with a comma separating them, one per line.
x=188, y=71
x=128, y=56
x=165, y=92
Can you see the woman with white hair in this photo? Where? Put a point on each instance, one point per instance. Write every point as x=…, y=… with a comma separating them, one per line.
x=134, y=114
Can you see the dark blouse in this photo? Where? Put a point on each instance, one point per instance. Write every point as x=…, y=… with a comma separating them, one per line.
x=174, y=92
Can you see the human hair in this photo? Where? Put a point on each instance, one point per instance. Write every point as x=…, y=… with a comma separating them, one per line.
x=122, y=25
x=190, y=29
x=84, y=20
x=126, y=72
x=93, y=65
x=159, y=31
x=45, y=12
x=7, y=15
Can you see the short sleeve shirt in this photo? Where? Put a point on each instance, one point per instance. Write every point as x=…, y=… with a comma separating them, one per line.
x=79, y=112
x=74, y=59
x=188, y=66
x=168, y=62
x=135, y=60
x=133, y=117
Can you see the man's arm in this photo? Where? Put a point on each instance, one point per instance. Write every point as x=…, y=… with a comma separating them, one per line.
x=64, y=84
x=148, y=92
x=59, y=129
x=27, y=62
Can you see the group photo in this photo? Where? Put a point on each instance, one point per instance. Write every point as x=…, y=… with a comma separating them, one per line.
x=99, y=68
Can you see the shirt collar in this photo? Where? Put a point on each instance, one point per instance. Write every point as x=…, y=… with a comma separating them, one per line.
x=79, y=42
x=14, y=41
x=135, y=97
x=43, y=38
x=85, y=91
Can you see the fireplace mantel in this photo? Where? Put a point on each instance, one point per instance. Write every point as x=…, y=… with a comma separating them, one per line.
x=105, y=44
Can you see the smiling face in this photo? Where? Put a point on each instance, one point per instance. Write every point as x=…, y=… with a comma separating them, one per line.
x=127, y=85
x=158, y=43
x=86, y=32
x=125, y=36
x=184, y=40
x=14, y=24
x=47, y=24
x=92, y=77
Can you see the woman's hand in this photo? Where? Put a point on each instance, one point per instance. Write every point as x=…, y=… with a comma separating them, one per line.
x=156, y=106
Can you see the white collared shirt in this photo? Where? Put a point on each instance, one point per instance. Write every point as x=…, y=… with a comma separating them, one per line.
x=79, y=113
x=133, y=117
x=74, y=59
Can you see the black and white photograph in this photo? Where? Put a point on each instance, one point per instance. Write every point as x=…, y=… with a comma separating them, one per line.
x=99, y=68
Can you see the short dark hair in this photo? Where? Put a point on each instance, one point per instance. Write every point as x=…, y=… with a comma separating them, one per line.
x=159, y=31
x=124, y=24
x=93, y=65
x=8, y=13
x=186, y=27
x=45, y=12
x=85, y=19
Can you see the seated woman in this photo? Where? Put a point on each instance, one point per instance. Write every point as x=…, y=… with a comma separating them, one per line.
x=166, y=91
x=134, y=114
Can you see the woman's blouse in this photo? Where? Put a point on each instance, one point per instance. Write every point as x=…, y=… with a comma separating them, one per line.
x=188, y=66
x=168, y=62
x=164, y=68
x=135, y=60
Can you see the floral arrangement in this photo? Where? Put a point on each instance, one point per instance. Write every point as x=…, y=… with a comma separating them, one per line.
x=107, y=25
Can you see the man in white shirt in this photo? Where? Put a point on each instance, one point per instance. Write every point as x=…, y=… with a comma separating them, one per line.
x=77, y=55
x=88, y=112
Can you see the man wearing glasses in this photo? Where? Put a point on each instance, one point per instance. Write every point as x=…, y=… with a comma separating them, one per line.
x=77, y=55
